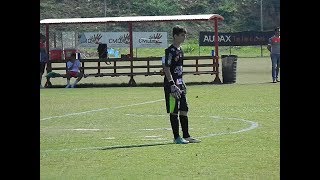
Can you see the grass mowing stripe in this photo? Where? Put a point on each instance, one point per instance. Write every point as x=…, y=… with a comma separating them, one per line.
x=102, y=109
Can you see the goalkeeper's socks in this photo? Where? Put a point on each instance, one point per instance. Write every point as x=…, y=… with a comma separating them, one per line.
x=174, y=125
x=184, y=126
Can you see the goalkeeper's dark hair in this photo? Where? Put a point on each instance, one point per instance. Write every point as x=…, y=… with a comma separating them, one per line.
x=178, y=30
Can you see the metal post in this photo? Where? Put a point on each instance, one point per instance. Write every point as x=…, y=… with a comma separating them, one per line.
x=105, y=11
x=216, y=56
x=261, y=21
x=261, y=16
x=105, y=8
x=132, y=82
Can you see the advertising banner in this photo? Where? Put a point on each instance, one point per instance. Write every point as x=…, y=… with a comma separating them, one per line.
x=122, y=39
x=246, y=38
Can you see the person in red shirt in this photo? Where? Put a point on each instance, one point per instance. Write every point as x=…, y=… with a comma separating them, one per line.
x=43, y=56
x=42, y=41
x=274, y=48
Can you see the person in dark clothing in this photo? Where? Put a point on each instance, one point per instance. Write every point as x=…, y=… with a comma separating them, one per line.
x=175, y=89
x=103, y=51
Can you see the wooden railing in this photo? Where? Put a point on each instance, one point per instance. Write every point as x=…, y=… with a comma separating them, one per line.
x=147, y=66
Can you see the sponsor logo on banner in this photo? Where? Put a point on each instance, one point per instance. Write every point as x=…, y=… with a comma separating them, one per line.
x=150, y=39
x=245, y=38
x=90, y=39
x=117, y=39
x=122, y=39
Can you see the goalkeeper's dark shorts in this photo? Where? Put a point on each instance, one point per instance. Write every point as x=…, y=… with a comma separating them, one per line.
x=174, y=105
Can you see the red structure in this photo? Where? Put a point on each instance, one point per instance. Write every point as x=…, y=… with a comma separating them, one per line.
x=130, y=20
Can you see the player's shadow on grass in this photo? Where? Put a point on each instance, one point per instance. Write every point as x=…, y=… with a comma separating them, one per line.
x=134, y=146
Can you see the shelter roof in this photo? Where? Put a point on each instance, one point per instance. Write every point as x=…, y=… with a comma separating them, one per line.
x=200, y=17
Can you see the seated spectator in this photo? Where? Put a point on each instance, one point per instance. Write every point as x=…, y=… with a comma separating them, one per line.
x=73, y=70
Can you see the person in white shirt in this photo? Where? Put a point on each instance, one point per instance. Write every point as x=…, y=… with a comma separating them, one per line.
x=73, y=70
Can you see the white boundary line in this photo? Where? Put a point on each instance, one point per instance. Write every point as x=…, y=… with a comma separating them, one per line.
x=96, y=110
x=252, y=126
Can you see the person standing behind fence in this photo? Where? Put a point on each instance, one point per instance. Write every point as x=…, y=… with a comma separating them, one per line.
x=103, y=51
x=274, y=48
x=175, y=89
x=73, y=70
x=43, y=57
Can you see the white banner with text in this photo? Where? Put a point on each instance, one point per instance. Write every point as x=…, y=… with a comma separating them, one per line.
x=122, y=39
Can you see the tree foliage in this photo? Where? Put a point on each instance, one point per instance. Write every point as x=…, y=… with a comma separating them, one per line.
x=239, y=15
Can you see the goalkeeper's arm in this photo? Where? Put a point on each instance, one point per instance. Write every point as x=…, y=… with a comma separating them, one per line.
x=175, y=90
x=167, y=73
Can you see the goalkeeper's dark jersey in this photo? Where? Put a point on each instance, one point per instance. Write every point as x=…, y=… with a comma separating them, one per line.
x=174, y=60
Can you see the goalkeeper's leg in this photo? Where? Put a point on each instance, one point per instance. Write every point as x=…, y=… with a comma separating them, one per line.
x=183, y=115
x=172, y=108
x=184, y=120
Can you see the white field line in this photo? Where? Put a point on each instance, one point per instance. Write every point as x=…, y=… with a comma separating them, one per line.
x=81, y=129
x=252, y=126
x=96, y=110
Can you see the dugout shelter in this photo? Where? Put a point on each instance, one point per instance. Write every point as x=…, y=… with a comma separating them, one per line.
x=130, y=21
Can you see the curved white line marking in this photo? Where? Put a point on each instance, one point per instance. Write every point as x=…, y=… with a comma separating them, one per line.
x=252, y=126
x=102, y=109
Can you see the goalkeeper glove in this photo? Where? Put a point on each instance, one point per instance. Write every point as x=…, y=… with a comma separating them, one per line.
x=175, y=91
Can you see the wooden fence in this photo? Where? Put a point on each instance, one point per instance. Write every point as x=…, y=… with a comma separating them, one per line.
x=147, y=66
